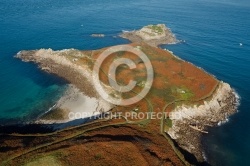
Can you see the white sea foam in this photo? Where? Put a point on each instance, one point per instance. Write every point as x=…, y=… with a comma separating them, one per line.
x=19, y=53
x=223, y=122
x=238, y=98
x=204, y=155
x=125, y=31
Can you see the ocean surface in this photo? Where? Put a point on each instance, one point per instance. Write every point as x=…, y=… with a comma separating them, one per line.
x=212, y=31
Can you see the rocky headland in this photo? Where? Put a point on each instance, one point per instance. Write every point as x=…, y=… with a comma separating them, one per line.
x=80, y=97
x=190, y=122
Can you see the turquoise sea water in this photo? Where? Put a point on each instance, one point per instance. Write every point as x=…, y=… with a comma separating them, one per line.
x=212, y=30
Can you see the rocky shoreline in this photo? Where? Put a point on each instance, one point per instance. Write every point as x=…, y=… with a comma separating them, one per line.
x=153, y=35
x=55, y=62
x=81, y=90
x=189, y=123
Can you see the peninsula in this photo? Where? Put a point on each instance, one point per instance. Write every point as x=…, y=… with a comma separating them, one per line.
x=189, y=99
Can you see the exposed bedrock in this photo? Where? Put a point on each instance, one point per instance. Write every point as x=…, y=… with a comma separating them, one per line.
x=190, y=122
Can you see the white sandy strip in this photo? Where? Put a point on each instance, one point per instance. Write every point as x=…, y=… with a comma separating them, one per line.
x=81, y=106
x=76, y=105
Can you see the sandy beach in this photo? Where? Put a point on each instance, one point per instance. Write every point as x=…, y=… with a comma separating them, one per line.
x=73, y=105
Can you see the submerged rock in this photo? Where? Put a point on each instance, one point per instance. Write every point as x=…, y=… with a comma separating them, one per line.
x=97, y=35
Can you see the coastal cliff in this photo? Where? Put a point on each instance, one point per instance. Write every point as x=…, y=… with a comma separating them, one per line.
x=190, y=122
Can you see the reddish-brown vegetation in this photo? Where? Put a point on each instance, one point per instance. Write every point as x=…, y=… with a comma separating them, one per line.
x=124, y=144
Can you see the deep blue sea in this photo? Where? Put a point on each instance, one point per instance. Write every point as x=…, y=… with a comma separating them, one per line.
x=212, y=30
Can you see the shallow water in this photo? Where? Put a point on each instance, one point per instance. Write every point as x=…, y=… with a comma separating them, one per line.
x=212, y=31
